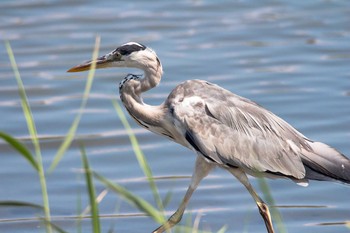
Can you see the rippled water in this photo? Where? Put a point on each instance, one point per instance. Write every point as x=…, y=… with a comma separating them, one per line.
x=292, y=57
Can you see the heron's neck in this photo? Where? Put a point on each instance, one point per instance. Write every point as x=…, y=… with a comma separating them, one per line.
x=152, y=75
x=131, y=89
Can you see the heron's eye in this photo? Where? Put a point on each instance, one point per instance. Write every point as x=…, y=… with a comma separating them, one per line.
x=116, y=56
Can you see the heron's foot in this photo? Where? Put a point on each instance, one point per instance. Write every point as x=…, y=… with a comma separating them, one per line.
x=172, y=221
x=265, y=213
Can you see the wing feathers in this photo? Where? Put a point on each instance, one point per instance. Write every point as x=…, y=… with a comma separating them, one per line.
x=230, y=130
x=324, y=162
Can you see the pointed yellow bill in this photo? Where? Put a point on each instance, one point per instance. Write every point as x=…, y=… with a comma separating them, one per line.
x=101, y=62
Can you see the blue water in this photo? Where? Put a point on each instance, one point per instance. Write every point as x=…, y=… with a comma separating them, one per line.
x=291, y=57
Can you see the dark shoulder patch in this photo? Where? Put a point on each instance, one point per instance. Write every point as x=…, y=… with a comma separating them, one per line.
x=128, y=48
x=191, y=140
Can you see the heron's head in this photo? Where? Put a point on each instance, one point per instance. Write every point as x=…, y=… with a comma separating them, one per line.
x=131, y=54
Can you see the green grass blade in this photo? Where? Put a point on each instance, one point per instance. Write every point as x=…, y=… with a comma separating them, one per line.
x=72, y=130
x=20, y=204
x=33, y=134
x=24, y=101
x=136, y=201
x=20, y=148
x=91, y=192
x=276, y=215
x=222, y=229
x=139, y=155
x=167, y=199
x=54, y=226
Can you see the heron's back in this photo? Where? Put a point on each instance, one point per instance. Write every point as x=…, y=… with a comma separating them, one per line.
x=233, y=131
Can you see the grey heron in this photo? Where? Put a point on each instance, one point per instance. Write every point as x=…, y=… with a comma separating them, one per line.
x=224, y=130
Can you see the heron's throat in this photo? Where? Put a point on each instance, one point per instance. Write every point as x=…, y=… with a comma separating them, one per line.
x=152, y=75
x=131, y=89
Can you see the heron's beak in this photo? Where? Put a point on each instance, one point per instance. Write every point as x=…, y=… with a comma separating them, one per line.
x=101, y=62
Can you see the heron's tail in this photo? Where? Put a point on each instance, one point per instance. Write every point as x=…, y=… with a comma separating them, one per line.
x=323, y=162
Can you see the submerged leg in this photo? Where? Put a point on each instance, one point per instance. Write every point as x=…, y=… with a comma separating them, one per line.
x=201, y=170
x=263, y=208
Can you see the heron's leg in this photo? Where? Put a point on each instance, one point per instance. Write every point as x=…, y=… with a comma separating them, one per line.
x=263, y=208
x=201, y=170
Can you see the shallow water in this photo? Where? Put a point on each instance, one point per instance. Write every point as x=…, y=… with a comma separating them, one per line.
x=292, y=58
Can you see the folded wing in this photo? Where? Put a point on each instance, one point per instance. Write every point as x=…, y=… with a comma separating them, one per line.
x=233, y=131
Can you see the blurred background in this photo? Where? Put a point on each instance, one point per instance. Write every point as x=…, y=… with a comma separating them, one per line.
x=292, y=57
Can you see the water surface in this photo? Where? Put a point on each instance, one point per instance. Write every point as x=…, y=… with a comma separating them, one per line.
x=291, y=57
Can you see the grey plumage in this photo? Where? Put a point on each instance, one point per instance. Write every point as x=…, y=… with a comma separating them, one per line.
x=325, y=163
x=224, y=130
x=240, y=133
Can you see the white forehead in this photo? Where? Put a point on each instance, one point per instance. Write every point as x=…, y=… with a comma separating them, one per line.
x=133, y=43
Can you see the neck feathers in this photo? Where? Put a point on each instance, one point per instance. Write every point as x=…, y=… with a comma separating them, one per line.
x=133, y=86
x=153, y=74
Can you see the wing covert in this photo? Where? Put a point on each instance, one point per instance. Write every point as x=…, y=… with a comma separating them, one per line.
x=234, y=131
